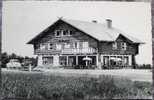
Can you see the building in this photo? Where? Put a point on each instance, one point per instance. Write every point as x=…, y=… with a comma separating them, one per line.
x=69, y=42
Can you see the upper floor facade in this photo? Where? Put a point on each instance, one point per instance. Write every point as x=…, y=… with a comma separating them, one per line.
x=64, y=38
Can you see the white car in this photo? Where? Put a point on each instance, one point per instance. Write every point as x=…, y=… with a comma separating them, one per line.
x=13, y=64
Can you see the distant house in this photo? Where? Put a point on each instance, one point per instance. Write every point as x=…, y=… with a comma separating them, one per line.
x=69, y=42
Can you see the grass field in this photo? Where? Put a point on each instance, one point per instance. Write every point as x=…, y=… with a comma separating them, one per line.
x=40, y=86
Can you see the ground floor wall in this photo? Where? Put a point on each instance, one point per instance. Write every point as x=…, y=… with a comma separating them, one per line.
x=94, y=59
x=125, y=60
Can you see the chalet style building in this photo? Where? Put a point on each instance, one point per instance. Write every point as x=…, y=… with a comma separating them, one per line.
x=71, y=42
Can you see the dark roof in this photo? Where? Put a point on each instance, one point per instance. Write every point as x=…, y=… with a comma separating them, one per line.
x=97, y=30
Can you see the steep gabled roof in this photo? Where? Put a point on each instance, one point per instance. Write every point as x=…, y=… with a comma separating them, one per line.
x=97, y=30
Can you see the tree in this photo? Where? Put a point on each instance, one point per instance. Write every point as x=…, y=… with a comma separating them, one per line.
x=13, y=56
x=4, y=59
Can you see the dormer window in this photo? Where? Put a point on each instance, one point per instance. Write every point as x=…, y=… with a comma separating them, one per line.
x=114, y=45
x=123, y=46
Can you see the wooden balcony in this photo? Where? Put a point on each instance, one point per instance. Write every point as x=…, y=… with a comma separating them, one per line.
x=79, y=51
x=67, y=51
x=46, y=52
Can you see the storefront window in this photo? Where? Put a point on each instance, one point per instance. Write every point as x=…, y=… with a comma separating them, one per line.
x=113, y=60
x=126, y=62
x=63, y=60
x=106, y=60
x=47, y=60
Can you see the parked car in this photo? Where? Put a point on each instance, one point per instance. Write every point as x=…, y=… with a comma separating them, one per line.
x=14, y=64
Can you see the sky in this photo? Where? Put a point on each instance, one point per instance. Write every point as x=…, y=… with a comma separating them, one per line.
x=22, y=20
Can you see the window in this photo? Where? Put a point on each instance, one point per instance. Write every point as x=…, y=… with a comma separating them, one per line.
x=66, y=45
x=85, y=45
x=43, y=46
x=75, y=45
x=65, y=32
x=106, y=60
x=71, y=32
x=119, y=59
x=80, y=45
x=50, y=46
x=123, y=46
x=58, y=33
x=113, y=60
x=63, y=60
x=114, y=45
x=47, y=60
x=71, y=45
x=58, y=46
x=61, y=32
x=126, y=60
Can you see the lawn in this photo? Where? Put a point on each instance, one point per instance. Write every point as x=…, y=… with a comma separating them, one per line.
x=40, y=86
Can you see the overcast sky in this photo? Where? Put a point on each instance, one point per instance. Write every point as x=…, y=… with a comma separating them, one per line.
x=22, y=20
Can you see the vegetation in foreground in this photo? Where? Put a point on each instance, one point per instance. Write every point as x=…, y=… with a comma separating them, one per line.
x=37, y=86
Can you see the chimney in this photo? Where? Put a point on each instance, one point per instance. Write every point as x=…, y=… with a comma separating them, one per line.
x=109, y=23
x=94, y=21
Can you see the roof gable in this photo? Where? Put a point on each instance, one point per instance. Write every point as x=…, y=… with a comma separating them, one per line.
x=96, y=30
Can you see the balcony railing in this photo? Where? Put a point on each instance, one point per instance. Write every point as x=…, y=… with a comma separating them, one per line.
x=39, y=51
x=79, y=51
x=67, y=51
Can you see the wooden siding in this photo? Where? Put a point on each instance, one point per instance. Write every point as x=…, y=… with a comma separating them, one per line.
x=106, y=47
x=77, y=36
